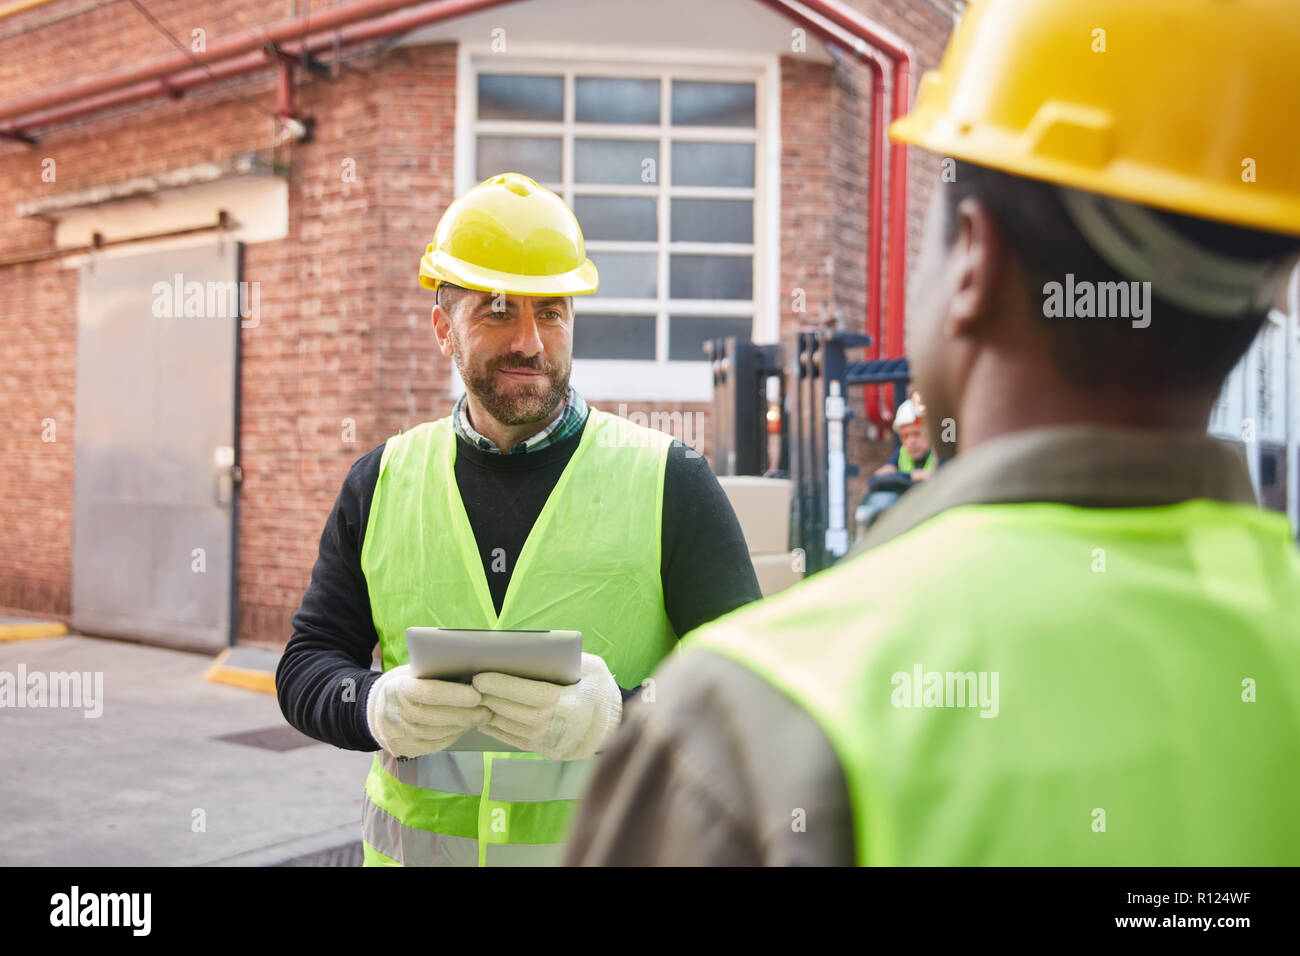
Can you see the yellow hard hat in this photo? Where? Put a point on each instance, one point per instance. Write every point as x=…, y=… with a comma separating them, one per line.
x=1186, y=105
x=509, y=234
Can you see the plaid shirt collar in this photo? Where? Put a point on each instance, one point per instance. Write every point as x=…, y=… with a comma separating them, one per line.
x=570, y=420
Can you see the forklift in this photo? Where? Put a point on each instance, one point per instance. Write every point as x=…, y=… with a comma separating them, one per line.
x=780, y=411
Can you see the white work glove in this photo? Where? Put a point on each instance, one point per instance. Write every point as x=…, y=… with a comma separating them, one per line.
x=563, y=722
x=412, y=716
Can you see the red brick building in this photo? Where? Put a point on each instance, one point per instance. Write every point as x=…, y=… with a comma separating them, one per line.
x=715, y=153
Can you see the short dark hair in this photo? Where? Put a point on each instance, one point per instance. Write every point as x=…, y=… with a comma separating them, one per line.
x=1179, y=349
x=448, y=295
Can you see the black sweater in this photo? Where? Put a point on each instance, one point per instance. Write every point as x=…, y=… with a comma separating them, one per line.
x=325, y=672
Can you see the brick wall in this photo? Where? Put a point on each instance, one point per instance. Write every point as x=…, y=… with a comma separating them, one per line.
x=344, y=354
x=38, y=301
x=37, y=367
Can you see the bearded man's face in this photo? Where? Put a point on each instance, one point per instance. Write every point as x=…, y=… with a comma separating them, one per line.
x=514, y=352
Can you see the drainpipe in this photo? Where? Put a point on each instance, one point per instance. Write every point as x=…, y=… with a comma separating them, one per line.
x=278, y=32
x=172, y=75
x=1291, y=393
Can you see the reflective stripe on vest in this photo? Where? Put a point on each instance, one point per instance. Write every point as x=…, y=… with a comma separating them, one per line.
x=1079, y=691
x=578, y=570
x=461, y=772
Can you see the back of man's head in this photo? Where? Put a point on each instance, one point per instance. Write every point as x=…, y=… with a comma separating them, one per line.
x=1122, y=213
x=1068, y=286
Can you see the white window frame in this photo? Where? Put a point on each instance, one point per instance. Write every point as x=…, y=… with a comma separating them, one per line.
x=1269, y=355
x=1240, y=398
x=659, y=380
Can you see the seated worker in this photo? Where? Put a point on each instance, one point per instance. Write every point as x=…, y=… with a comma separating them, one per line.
x=914, y=457
x=912, y=461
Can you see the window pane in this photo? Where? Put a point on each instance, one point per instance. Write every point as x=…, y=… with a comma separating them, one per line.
x=537, y=158
x=511, y=96
x=688, y=333
x=713, y=220
x=713, y=164
x=613, y=336
x=713, y=104
x=626, y=275
x=600, y=99
x=613, y=160
x=711, y=277
x=617, y=217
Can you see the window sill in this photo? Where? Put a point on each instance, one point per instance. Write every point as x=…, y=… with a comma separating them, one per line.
x=636, y=381
x=632, y=381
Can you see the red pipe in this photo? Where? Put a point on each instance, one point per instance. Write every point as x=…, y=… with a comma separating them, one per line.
x=284, y=91
x=174, y=85
x=177, y=83
x=891, y=44
x=279, y=32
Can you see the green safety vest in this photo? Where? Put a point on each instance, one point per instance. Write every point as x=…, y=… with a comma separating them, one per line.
x=590, y=564
x=905, y=462
x=1146, y=709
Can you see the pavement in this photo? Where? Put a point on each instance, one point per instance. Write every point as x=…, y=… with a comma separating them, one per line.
x=173, y=770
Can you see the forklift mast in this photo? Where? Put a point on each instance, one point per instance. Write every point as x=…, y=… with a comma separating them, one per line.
x=814, y=376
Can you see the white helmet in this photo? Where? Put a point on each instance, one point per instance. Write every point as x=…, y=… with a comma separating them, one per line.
x=906, y=415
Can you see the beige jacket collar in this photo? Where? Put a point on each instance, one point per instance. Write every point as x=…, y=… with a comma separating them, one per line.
x=1085, y=465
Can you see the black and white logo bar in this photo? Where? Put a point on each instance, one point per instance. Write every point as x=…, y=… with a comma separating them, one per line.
x=102, y=909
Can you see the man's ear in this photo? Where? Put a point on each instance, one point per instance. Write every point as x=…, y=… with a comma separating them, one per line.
x=977, y=262
x=442, y=329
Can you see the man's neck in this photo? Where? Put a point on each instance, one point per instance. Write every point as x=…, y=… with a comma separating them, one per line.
x=1002, y=397
x=1154, y=411
x=505, y=437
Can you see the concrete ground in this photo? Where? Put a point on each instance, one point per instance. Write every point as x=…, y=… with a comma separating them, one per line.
x=150, y=782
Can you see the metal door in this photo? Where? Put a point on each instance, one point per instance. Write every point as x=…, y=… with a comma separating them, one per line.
x=156, y=479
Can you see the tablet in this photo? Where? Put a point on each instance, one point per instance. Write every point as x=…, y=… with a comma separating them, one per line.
x=458, y=653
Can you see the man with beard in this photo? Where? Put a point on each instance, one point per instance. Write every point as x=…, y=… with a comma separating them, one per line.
x=524, y=509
